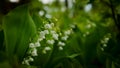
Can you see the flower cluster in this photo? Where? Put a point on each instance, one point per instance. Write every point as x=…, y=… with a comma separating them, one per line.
x=32, y=52
x=48, y=36
x=105, y=40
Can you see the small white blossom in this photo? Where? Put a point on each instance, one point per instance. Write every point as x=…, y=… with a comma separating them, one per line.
x=72, y=26
x=47, y=26
x=30, y=59
x=102, y=49
x=55, y=36
x=14, y=1
x=102, y=41
x=61, y=43
x=41, y=13
x=40, y=39
x=106, y=40
x=31, y=45
x=50, y=42
x=52, y=32
x=47, y=48
x=42, y=34
x=46, y=31
x=88, y=26
x=25, y=61
x=88, y=7
x=37, y=44
x=34, y=52
x=60, y=48
x=48, y=16
x=68, y=32
x=52, y=24
x=64, y=38
x=104, y=45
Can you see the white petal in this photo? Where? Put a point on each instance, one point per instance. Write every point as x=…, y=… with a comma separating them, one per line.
x=14, y=1
x=34, y=52
x=31, y=59
x=60, y=48
x=37, y=44
x=64, y=38
x=47, y=48
x=31, y=45
x=47, y=26
x=104, y=45
x=51, y=42
x=55, y=36
x=42, y=35
x=52, y=32
x=46, y=31
x=68, y=32
x=61, y=43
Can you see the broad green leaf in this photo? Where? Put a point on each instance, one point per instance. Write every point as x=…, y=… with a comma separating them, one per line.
x=37, y=19
x=18, y=29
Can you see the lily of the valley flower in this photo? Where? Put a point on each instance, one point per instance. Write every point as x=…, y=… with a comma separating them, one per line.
x=55, y=36
x=61, y=43
x=47, y=26
x=51, y=42
x=34, y=52
x=64, y=38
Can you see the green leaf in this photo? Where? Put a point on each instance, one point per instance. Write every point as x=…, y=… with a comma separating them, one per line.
x=37, y=19
x=18, y=29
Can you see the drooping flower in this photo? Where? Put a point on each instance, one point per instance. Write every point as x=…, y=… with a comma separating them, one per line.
x=60, y=48
x=31, y=45
x=68, y=32
x=55, y=36
x=47, y=48
x=37, y=44
x=46, y=31
x=64, y=38
x=42, y=34
x=34, y=52
x=51, y=42
x=30, y=58
x=61, y=43
x=47, y=26
x=25, y=61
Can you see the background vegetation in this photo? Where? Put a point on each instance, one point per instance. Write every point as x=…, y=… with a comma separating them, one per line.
x=83, y=34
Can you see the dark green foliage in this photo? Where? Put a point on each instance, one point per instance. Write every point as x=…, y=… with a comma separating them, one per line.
x=18, y=29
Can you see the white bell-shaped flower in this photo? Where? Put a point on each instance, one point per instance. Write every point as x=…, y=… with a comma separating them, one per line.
x=61, y=43
x=47, y=26
x=64, y=38
x=60, y=48
x=51, y=42
x=68, y=32
x=37, y=44
x=46, y=31
x=34, y=52
x=31, y=45
x=47, y=48
x=30, y=58
x=55, y=36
